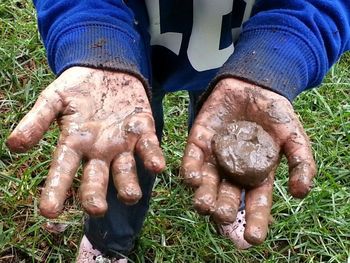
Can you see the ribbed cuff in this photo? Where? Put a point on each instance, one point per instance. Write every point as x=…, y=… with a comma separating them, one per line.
x=272, y=57
x=98, y=46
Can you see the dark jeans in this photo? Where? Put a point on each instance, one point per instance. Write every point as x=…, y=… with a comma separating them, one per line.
x=115, y=232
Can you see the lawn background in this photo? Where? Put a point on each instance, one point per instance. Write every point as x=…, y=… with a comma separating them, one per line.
x=316, y=229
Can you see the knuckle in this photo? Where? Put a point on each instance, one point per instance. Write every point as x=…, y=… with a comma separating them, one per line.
x=190, y=174
x=94, y=206
x=96, y=211
x=224, y=214
x=138, y=125
x=204, y=202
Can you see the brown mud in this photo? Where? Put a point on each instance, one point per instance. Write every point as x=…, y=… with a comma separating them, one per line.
x=245, y=153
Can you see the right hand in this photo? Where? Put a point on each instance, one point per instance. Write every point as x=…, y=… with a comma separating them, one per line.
x=236, y=100
x=104, y=117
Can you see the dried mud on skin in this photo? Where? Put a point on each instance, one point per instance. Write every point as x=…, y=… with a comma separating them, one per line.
x=245, y=153
x=104, y=117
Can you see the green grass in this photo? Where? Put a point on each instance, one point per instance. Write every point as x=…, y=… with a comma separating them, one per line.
x=315, y=229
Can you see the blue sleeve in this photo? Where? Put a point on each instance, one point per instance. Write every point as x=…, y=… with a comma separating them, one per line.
x=288, y=46
x=93, y=33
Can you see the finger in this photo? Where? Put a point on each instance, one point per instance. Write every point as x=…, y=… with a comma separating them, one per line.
x=205, y=195
x=93, y=189
x=147, y=147
x=227, y=203
x=217, y=110
x=302, y=167
x=197, y=151
x=201, y=136
x=125, y=178
x=36, y=122
x=64, y=166
x=191, y=166
x=141, y=126
x=258, y=207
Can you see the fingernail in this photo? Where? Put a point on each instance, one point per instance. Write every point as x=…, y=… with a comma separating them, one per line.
x=225, y=214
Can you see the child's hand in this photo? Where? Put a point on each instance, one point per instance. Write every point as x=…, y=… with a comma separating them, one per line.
x=104, y=117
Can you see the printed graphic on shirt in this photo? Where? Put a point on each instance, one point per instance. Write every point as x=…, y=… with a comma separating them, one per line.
x=204, y=30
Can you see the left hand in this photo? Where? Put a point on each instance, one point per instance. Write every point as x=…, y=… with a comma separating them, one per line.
x=104, y=119
x=233, y=100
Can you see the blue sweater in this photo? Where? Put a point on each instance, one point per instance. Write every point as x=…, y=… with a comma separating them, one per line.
x=284, y=45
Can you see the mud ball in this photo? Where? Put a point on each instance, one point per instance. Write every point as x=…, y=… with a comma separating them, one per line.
x=245, y=152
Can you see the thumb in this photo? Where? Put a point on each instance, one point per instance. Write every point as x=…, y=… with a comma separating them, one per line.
x=36, y=122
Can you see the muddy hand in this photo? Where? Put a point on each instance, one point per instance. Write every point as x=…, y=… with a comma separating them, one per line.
x=235, y=100
x=104, y=117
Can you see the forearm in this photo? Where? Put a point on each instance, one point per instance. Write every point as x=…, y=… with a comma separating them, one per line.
x=288, y=46
x=98, y=34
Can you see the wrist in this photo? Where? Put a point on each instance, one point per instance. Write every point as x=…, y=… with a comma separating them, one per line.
x=229, y=85
x=121, y=79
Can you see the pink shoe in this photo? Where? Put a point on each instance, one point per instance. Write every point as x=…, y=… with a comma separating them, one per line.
x=235, y=231
x=87, y=254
